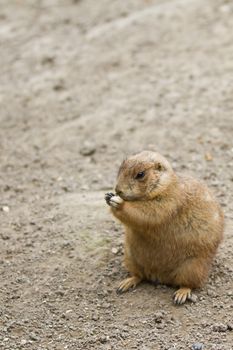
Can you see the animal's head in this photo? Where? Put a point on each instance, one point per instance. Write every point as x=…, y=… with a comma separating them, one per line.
x=144, y=176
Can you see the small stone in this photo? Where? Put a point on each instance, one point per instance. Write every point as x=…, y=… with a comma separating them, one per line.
x=95, y=317
x=5, y=237
x=160, y=326
x=197, y=346
x=23, y=342
x=60, y=293
x=230, y=326
x=158, y=317
x=220, y=327
x=59, y=86
x=104, y=292
x=73, y=328
x=33, y=337
x=85, y=188
x=103, y=339
x=193, y=298
x=224, y=8
x=208, y=157
x=106, y=305
x=48, y=60
x=25, y=320
x=87, y=150
x=211, y=293
x=115, y=250
x=66, y=244
x=5, y=208
x=69, y=311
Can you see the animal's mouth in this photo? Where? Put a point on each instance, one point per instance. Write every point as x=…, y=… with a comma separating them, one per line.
x=129, y=198
x=125, y=198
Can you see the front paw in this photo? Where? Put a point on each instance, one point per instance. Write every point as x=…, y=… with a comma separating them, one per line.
x=113, y=200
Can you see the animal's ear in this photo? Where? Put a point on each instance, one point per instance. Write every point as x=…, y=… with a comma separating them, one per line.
x=158, y=166
x=122, y=166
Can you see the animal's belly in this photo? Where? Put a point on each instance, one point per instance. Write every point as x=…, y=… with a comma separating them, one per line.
x=156, y=263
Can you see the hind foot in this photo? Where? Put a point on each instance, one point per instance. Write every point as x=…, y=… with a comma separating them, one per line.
x=181, y=295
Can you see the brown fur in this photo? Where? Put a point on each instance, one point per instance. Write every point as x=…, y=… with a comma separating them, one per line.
x=173, y=224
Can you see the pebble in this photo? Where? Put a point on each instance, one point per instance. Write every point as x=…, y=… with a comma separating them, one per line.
x=220, y=327
x=88, y=149
x=158, y=317
x=197, y=346
x=95, y=317
x=103, y=339
x=60, y=293
x=72, y=328
x=115, y=250
x=160, y=326
x=224, y=8
x=6, y=209
x=69, y=311
x=59, y=86
x=5, y=237
x=193, y=298
x=211, y=293
x=33, y=336
x=208, y=157
x=106, y=305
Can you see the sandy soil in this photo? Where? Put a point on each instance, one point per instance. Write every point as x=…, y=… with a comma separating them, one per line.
x=83, y=83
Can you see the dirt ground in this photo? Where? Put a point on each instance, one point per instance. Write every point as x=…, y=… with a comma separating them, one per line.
x=83, y=83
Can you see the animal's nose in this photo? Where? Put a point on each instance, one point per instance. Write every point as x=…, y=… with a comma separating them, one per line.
x=118, y=191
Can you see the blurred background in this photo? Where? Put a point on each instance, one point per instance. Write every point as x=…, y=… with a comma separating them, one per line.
x=83, y=84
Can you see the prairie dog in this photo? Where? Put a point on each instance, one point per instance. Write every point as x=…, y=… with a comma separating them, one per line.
x=173, y=224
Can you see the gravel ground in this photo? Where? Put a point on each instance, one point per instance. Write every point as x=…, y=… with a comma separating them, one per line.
x=83, y=83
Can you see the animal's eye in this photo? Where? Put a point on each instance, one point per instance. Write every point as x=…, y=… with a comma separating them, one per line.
x=140, y=175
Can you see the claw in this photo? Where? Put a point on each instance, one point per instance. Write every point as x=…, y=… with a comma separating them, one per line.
x=113, y=200
x=108, y=196
x=127, y=284
x=181, y=295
